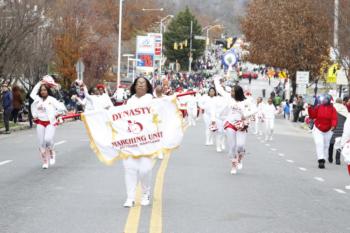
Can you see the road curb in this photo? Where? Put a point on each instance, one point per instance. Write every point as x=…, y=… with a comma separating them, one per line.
x=15, y=129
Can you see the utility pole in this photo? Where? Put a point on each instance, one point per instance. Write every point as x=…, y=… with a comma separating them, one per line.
x=119, y=41
x=336, y=25
x=190, y=57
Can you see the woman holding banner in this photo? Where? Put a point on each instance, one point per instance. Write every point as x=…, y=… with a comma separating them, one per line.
x=238, y=111
x=141, y=167
x=45, y=110
x=135, y=133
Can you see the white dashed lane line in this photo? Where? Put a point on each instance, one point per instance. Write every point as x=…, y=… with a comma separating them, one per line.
x=320, y=179
x=281, y=154
x=273, y=149
x=302, y=169
x=289, y=161
x=5, y=162
x=60, y=143
x=340, y=191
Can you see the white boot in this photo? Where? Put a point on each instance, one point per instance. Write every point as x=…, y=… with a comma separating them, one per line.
x=129, y=203
x=52, y=160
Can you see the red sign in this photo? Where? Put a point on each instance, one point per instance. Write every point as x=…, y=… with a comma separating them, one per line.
x=146, y=60
x=158, y=51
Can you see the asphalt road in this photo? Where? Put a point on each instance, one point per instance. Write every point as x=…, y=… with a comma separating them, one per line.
x=280, y=188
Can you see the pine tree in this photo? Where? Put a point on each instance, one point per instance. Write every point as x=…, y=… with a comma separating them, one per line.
x=178, y=31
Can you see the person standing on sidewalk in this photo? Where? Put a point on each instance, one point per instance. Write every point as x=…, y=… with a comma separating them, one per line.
x=7, y=106
x=17, y=103
x=325, y=118
x=298, y=108
x=342, y=113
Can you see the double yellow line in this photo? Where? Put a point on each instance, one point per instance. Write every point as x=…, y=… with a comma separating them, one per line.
x=156, y=222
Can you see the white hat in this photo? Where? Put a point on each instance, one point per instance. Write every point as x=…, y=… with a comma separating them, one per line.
x=49, y=80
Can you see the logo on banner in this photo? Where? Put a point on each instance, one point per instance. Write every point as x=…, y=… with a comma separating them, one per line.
x=135, y=127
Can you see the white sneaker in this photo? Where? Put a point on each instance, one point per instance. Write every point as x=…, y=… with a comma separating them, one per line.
x=45, y=166
x=233, y=171
x=145, y=201
x=218, y=149
x=161, y=156
x=223, y=147
x=129, y=203
x=52, y=159
x=240, y=166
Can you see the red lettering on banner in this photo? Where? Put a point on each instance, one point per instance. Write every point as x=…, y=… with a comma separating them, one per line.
x=131, y=112
x=140, y=140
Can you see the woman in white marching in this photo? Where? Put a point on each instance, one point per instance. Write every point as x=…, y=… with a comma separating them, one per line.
x=269, y=112
x=208, y=104
x=238, y=111
x=219, y=121
x=45, y=109
x=259, y=116
x=139, y=168
x=191, y=109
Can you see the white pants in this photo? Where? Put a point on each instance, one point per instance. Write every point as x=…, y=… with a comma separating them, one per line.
x=235, y=142
x=258, y=125
x=220, y=135
x=209, y=135
x=45, y=136
x=192, y=116
x=322, y=141
x=136, y=169
x=269, y=126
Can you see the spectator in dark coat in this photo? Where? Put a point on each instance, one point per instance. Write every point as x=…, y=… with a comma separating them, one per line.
x=342, y=113
x=17, y=103
x=6, y=105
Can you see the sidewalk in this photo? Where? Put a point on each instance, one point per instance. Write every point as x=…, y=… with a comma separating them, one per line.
x=17, y=127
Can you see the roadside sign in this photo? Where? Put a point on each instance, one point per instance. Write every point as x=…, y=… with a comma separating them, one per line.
x=200, y=37
x=301, y=89
x=332, y=73
x=303, y=77
x=342, y=78
x=80, y=68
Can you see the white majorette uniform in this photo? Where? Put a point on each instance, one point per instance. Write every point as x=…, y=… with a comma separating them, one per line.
x=235, y=125
x=208, y=104
x=97, y=102
x=191, y=110
x=44, y=114
x=259, y=119
x=138, y=168
x=219, y=121
x=269, y=112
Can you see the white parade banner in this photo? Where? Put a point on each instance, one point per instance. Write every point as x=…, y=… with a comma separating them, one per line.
x=303, y=77
x=134, y=130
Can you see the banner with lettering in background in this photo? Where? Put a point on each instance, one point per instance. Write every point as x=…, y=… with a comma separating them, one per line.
x=134, y=131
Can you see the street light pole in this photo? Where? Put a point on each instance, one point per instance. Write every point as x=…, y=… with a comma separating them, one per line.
x=119, y=41
x=161, y=32
x=190, y=57
x=208, y=28
x=336, y=24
